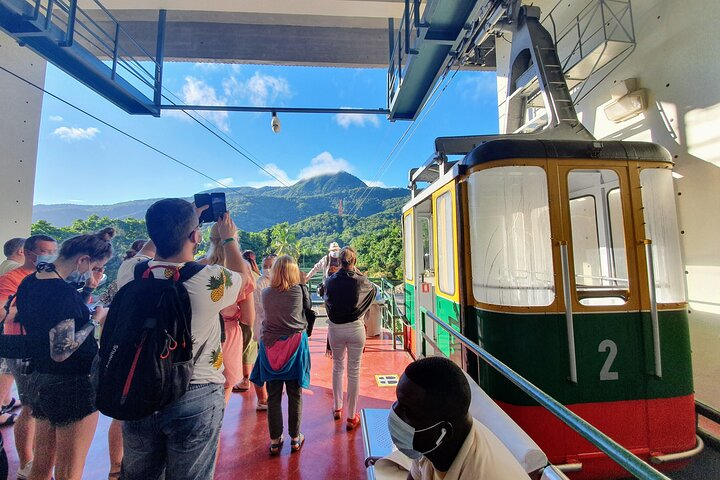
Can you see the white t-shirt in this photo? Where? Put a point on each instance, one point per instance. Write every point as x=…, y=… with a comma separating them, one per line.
x=8, y=265
x=211, y=289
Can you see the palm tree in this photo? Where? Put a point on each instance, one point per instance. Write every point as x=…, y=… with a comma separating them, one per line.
x=284, y=241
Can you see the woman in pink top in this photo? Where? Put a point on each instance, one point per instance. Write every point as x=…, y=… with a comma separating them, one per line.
x=241, y=311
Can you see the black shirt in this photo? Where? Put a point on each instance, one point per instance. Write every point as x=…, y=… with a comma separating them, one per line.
x=348, y=295
x=41, y=305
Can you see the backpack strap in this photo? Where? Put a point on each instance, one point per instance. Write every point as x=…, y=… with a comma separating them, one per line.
x=188, y=270
x=140, y=269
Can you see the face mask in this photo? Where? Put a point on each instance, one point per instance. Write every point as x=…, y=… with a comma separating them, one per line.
x=403, y=435
x=45, y=258
x=79, y=279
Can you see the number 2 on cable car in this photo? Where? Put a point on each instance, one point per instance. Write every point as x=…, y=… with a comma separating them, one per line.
x=610, y=347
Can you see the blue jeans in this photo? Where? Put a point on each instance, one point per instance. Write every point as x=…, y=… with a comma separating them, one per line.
x=180, y=440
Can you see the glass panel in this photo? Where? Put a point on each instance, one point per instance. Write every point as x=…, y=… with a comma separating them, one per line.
x=510, y=236
x=598, y=237
x=446, y=248
x=409, y=247
x=586, y=249
x=661, y=227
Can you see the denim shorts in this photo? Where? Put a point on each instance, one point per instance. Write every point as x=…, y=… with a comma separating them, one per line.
x=61, y=399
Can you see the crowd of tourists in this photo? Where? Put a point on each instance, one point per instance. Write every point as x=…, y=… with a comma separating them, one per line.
x=165, y=345
x=161, y=350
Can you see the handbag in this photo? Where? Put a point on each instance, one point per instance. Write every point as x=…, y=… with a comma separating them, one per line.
x=308, y=313
x=12, y=346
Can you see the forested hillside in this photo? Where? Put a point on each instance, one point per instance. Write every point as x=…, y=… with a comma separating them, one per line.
x=255, y=209
x=376, y=237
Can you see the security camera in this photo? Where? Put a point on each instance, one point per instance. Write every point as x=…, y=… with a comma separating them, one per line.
x=275, y=123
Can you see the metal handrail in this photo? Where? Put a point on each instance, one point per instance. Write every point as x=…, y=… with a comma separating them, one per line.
x=707, y=411
x=77, y=22
x=610, y=447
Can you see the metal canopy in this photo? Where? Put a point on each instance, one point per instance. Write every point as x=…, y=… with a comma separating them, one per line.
x=422, y=48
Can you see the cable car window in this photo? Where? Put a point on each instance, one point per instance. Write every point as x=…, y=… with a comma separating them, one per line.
x=510, y=236
x=445, y=245
x=598, y=237
x=661, y=227
x=428, y=267
x=409, y=247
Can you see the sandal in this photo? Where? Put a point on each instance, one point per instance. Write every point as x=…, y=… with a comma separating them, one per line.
x=276, y=446
x=296, y=445
x=337, y=414
x=242, y=386
x=352, y=423
x=10, y=420
x=114, y=475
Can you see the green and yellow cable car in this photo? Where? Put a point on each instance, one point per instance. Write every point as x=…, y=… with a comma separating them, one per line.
x=562, y=259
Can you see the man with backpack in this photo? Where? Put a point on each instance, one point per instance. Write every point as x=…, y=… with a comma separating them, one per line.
x=160, y=356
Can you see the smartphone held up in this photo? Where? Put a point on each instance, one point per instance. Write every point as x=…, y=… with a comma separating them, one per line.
x=216, y=206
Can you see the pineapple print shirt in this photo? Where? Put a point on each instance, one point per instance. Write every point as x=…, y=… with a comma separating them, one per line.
x=211, y=289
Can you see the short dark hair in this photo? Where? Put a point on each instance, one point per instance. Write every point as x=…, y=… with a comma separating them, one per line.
x=169, y=222
x=12, y=246
x=95, y=245
x=31, y=241
x=446, y=387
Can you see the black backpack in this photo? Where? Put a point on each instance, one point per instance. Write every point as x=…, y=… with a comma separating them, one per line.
x=146, y=350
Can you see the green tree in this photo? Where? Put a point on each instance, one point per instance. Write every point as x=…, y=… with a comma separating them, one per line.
x=284, y=240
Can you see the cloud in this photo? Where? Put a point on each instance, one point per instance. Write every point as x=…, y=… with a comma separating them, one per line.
x=260, y=90
x=72, y=134
x=375, y=183
x=227, y=181
x=345, y=120
x=197, y=92
x=480, y=86
x=322, y=164
x=325, y=164
x=55, y=118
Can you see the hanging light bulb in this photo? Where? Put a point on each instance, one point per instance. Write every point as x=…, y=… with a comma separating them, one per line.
x=275, y=123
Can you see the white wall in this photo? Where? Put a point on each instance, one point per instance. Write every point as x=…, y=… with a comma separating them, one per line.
x=676, y=61
x=19, y=127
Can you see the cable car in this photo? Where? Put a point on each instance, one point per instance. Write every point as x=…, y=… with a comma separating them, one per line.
x=562, y=259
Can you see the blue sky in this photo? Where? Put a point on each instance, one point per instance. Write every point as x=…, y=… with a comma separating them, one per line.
x=83, y=161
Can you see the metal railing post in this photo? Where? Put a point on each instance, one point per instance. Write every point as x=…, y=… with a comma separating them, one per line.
x=116, y=47
x=568, y=311
x=159, y=57
x=657, y=354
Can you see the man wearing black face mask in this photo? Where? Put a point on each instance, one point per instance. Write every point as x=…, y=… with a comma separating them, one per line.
x=430, y=423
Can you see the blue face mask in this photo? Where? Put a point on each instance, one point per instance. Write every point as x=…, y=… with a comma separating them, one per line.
x=45, y=258
x=79, y=279
x=403, y=435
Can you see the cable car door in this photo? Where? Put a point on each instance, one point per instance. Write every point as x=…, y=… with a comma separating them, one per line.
x=599, y=257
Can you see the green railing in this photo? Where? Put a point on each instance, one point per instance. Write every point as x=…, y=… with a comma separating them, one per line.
x=392, y=319
x=611, y=448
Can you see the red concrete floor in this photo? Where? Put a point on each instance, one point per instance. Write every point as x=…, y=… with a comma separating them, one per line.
x=329, y=451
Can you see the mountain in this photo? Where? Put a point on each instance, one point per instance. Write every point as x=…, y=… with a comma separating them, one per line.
x=255, y=209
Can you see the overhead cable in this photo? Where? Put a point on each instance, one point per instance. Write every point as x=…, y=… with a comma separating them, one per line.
x=132, y=137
